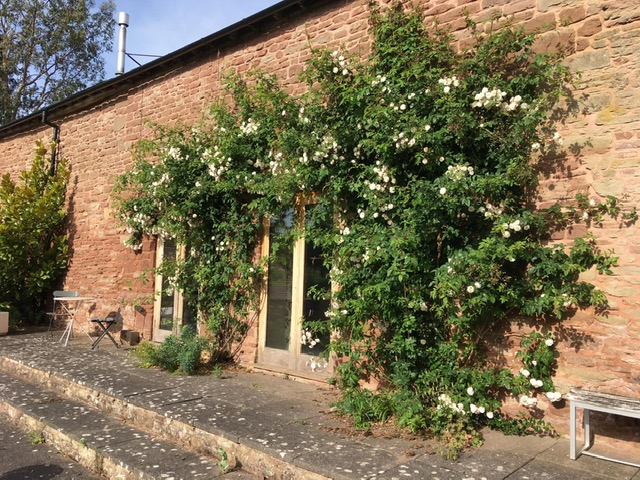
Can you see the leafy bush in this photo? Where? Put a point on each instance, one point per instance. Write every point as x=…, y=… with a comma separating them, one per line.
x=421, y=161
x=33, y=245
x=180, y=354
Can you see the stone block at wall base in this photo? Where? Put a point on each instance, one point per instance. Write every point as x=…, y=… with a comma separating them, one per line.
x=129, y=337
x=4, y=323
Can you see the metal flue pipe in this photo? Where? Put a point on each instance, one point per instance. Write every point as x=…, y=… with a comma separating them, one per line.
x=123, y=21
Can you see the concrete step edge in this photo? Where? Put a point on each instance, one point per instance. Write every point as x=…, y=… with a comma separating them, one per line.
x=249, y=459
x=71, y=446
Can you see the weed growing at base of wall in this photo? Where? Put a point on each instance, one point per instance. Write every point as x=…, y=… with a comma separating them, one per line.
x=33, y=243
x=421, y=163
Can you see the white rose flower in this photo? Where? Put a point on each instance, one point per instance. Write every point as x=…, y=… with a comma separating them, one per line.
x=525, y=373
x=443, y=191
x=548, y=342
x=489, y=415
x=470, y=391
x=471, y=289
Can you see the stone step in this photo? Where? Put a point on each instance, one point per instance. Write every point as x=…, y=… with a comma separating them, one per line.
x=193, y=413
x=104, y=445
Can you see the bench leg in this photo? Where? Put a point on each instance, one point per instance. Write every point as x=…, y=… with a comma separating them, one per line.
x=572, y=427
x=587, y=429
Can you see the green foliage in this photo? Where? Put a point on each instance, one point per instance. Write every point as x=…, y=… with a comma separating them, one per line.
x=421, y=162
x=224, y=460
x=50, y=50
x=33, y=244
x=181, y=354
x=37, y=438
x=145, y=353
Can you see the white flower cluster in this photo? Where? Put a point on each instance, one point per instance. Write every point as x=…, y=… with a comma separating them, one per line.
x=557, y=138
x=383, y=173
x=384, y=176
x=488, y=98
x=473, y=288
x=528, y=402
x=307, y=339
x=341, y=65
x=220, y=247
x=495, y=97
x=403, y=141
x=136, y=247
x=140, y=220
x=218, y=164
x=448, y=82
x=515, y=226
x=554, y=396
x=458, y=172
x=491, y=211
x=317, y=364
x=303, y=118
x=165, y=178
x=249, y=127
x=444, y=401
x=174, y=153
x=535, y=383
x=379, y=79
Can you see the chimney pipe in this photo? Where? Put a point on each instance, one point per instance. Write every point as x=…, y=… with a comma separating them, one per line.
x=123, y=21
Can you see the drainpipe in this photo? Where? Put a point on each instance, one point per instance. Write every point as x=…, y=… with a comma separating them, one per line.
x=56, y=135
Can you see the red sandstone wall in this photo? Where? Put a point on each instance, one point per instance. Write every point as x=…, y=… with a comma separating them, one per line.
x=599, y=351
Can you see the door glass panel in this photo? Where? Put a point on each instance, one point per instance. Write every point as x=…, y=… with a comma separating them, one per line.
x=317, y=288
x=280, y=283
x=167, y=296
x=189, y=302
x=190, y=311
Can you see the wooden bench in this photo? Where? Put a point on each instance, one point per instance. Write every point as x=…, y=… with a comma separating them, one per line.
x=598, y=402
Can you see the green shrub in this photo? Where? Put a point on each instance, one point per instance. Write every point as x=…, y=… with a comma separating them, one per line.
x=181, y=354
x=145, y=353
x=33, y=244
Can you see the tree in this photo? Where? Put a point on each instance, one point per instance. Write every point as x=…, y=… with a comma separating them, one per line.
x=50, y=50
x=33, y=244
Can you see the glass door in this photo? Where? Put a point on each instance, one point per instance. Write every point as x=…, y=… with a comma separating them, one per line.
x=171, y=309
x=297, y=290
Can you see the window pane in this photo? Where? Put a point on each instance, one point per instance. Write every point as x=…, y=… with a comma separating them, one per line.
x=279, y=284
x=167, y=295
x=317, y=288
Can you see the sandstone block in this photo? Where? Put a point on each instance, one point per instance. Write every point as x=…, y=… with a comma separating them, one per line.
x=614, y=320
x=570, y=15
x=589, y=60
x=590, y=27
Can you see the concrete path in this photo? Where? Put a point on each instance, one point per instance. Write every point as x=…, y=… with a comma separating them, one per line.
x=102, y=410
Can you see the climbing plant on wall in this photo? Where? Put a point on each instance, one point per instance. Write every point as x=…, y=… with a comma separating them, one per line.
x=423, y=160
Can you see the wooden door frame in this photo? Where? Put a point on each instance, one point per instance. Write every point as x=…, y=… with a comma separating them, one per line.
x=292, y=361
x=159, y=335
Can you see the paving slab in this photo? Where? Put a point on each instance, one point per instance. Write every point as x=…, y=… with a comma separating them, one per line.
x=277, y=427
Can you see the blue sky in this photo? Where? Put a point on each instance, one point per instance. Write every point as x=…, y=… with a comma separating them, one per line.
x=158, y=27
